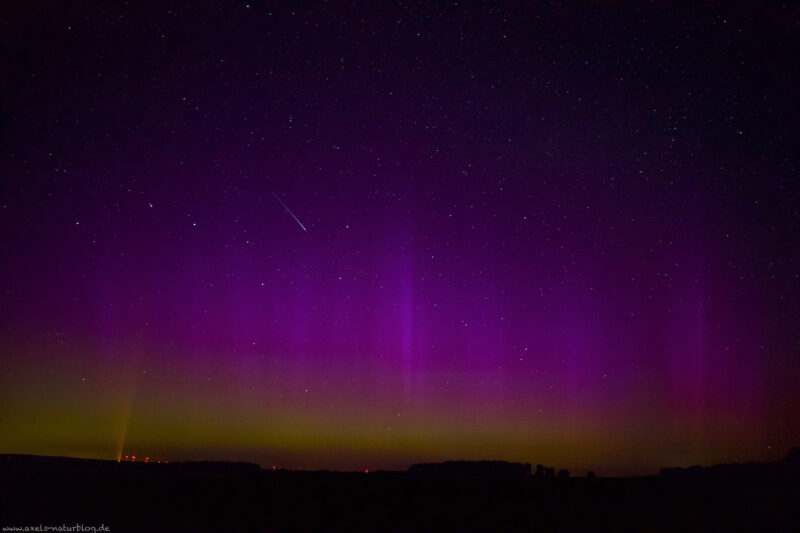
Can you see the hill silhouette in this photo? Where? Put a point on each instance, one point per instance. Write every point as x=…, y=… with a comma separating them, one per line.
x=455, y=495
x=470, y=470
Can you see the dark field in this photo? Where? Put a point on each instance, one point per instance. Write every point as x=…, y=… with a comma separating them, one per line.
x=243, y=498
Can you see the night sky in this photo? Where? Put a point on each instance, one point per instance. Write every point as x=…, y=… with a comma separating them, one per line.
x=363, y=235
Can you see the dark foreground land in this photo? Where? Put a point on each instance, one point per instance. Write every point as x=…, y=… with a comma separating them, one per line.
x=238, y=497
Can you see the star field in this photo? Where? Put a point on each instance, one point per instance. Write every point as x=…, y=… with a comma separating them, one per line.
x=361, y=236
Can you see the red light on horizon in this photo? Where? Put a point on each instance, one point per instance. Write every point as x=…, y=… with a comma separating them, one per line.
x=146, y=459
x=133, y=458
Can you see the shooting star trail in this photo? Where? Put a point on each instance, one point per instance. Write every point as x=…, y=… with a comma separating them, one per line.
x=289, y=211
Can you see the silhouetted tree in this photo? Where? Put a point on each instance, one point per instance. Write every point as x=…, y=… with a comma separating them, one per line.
x=550, y=472
x=793, y=457
x=563, y=474
x=539, y=471
x=590, y=475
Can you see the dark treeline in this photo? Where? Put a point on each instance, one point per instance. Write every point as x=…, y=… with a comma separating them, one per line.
x=452, y=496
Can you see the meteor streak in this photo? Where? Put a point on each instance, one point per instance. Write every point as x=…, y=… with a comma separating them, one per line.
x=289, y=211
